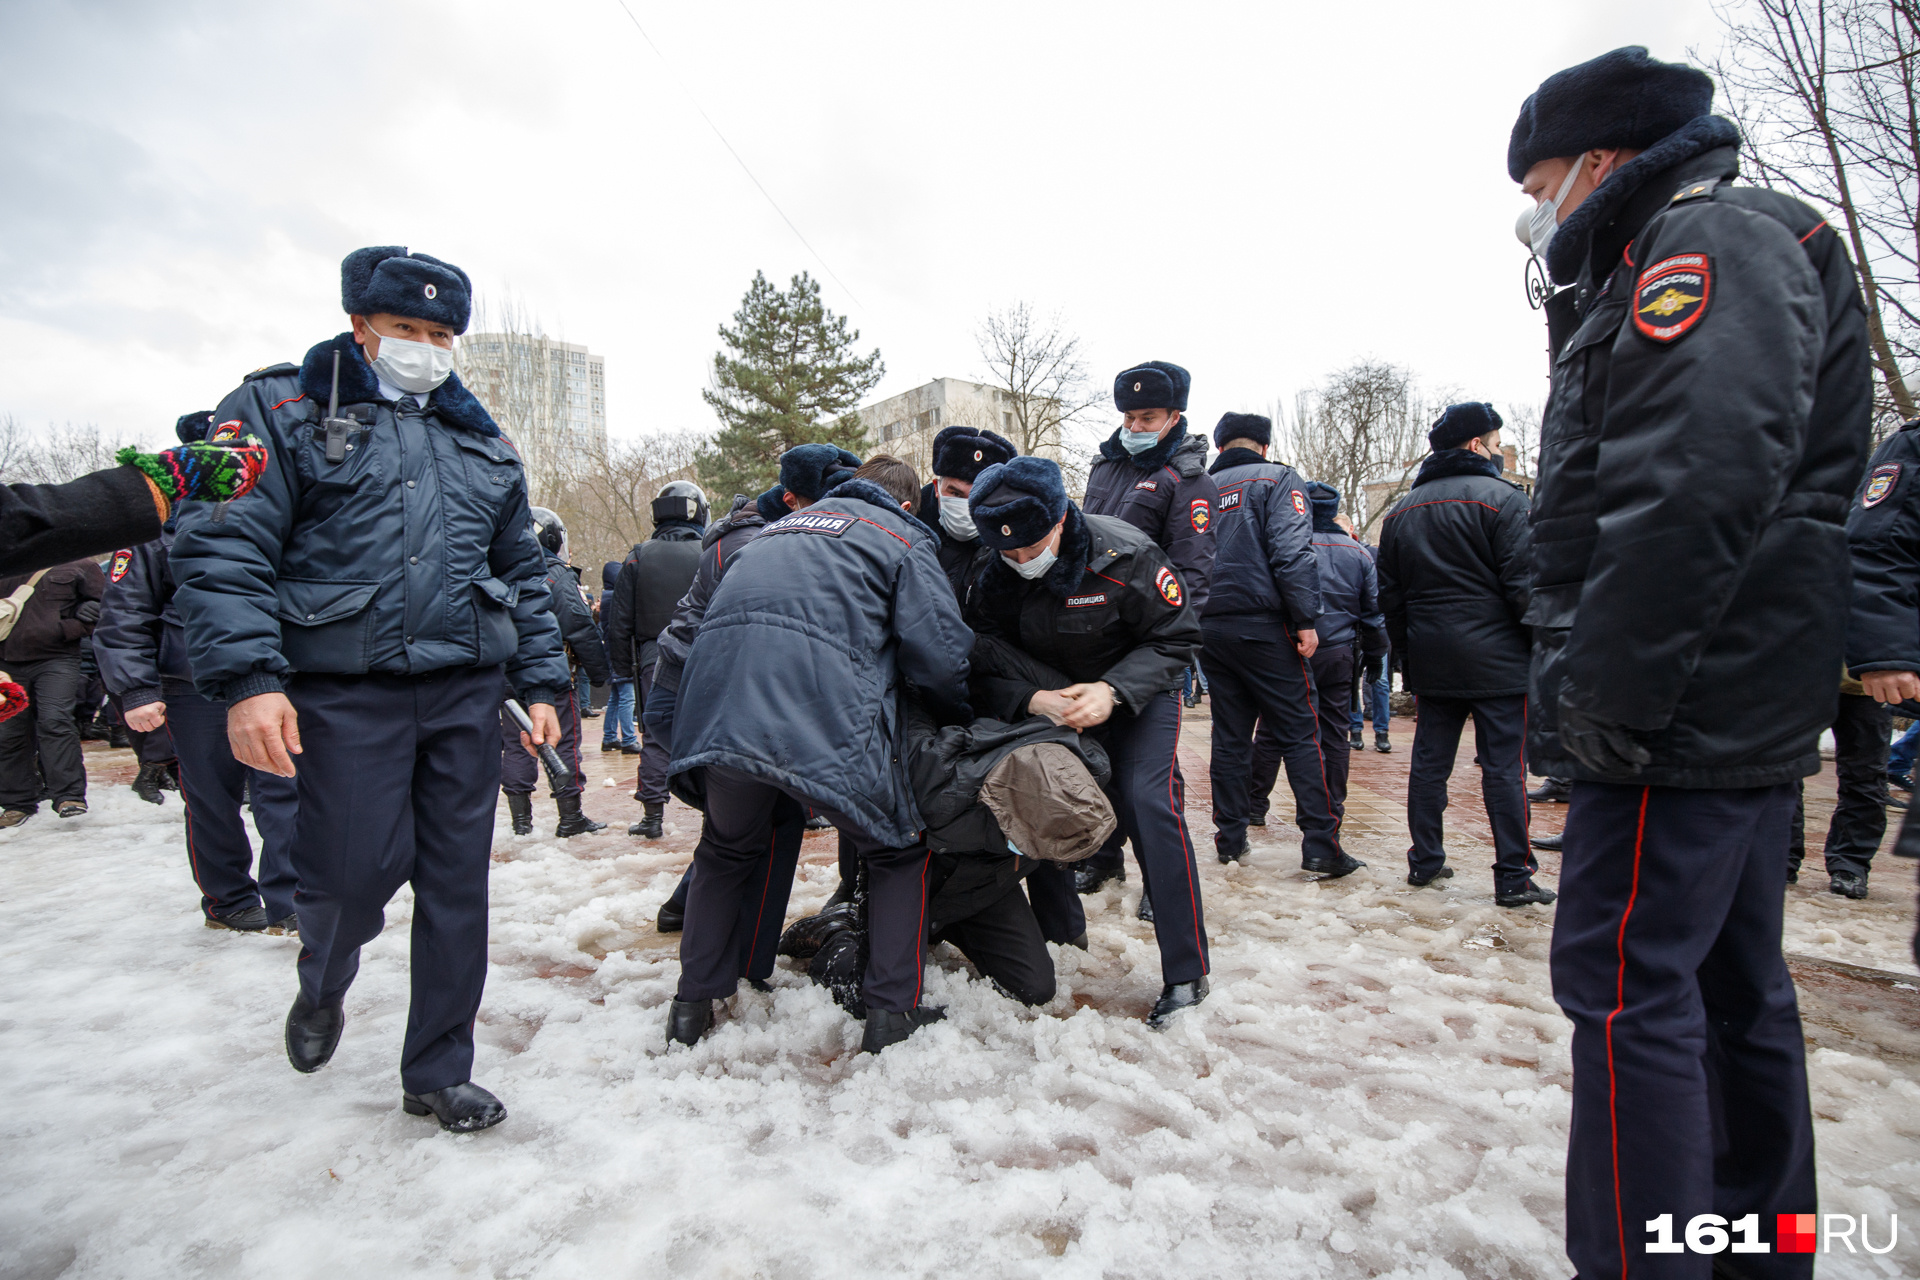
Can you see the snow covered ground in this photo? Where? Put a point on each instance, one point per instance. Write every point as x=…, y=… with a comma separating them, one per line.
x=1376, y=1088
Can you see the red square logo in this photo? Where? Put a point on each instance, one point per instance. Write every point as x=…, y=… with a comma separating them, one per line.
x=1795, y=1233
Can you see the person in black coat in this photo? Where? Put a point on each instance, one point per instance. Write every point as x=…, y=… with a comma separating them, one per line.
x=620, y=731
x=788, y=701
x=1453, y=586
x=1093, y=598
x=42, y=653
x=1706, y=430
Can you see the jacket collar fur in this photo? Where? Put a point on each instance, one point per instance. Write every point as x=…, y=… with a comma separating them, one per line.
x=1069, y=566
x=450, y=401
x=1585, y=232
x=1236, y=458
x=869, y=492
x=1456, y=462
x=1184, y=453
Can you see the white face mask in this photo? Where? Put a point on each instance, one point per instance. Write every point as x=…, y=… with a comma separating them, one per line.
x=956, y=518
x=1537, y=226
x=1138, y=442
x=415, y=367
x=1032, y=568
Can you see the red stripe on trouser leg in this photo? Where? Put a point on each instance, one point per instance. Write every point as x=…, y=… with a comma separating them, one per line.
x=1178, y=810
x=920, y=934
x=1313, y=709
x=1619, y=1003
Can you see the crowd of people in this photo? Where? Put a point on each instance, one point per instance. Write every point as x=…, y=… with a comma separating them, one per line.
x=976, y=679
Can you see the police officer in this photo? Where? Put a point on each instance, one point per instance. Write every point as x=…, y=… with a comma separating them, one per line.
x=142, y=651
x=357, y=611
x=1153, y=474
x=788, y=700
x=1094, y=598
x=586, y=651
x=655, y=575
x=1453, y=584
x=959, y=455
x=1705, y=431
x=1260, y=626
x=1349, y=620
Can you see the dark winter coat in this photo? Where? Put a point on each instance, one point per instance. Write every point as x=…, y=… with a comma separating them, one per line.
x=958, y=560
x=1263, y=560
x=413, y=554
x=795, y=673
x=720, y=547
x=949, y=765
x=1690, y=563
x=1349, y=591
x=1110, y=608
x=49, y=524
x=48, y=626
x=655, y=575
x=1883, y=534
x=575, y=616
x=1453, y=579
x=1167, y=494
x=140, y=643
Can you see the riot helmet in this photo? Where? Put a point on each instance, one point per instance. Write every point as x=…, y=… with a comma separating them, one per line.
x=680, y=500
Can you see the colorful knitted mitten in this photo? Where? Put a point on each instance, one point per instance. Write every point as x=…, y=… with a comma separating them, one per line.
x=203, y=472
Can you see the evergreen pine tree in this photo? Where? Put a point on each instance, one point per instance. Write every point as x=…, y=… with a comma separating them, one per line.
x=789, y=375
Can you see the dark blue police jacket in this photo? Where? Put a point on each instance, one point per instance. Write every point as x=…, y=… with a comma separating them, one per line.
x=1263, y=542
x=412, y=554
x=794, y=674
x=139, y=641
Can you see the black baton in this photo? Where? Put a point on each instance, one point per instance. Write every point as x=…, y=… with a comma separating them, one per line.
x=557, y=772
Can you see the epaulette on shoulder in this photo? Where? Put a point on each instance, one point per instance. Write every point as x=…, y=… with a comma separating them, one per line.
x=1696, y=191
x=272, y=371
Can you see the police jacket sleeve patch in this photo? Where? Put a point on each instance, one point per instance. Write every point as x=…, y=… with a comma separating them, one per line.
x=1200, y=515
x=1168, y=585
x=123, y=559
x=1671, y=296
x=1880, y=483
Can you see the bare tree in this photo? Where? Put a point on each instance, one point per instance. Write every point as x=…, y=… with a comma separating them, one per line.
x=1521, y=438
x=607, y=501
x=1359, y=431
x=54, y=455
x=1827, y=97
x=1036, y=366
x=506, y=361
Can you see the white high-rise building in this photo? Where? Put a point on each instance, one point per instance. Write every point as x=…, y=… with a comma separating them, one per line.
x=548, y=396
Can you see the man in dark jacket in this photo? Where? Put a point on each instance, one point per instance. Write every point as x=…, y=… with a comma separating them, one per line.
x=1453, y=586
x=621, y=731
x=1353, y=645
x=959, y=455
x=1093, y=598
x=42, y=654
x=1260, y=626
x=586, y=651
x=358, y=610
x=788, y=699
x=655, y=575
x=1705, y=432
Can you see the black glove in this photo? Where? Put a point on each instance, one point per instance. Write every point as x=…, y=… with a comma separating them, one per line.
x=1607, y=749
x=1370, y=668
x=89, y=611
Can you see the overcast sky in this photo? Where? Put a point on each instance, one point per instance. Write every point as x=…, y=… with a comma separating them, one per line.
x=1260, y=192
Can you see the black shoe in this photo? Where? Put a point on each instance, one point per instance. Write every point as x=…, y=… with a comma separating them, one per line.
x=313, y=1033
x=885, y=1028
x=92, y=730
x=609, y=748
x=117, y=736
x=1848, y=884
x=1525, y=896
x=1233, y=855
x=1335, y=867
x=1418, y=881
x=1146, y=908
x=148, y=782
x=649, y=827
x=1174, y=997
x=629, y=749
x=1793, y=875
x=805, y=936
x=71, y=808
x=461, y=1108
x=1088, y=878
x=245, y=920
x=520, y=807
x=588, y=713
x=287, y=926
x=1904, y=781
x=170, y=778
x=1357, y=741
x=1550, y=843
x=688, y=1020
x=1258, y=820
x=813, y=824
x=1894, y=802
x=572, y=821
x=1080, y=942
x=1552, y=791
x=672, y=917
x=1382, y=743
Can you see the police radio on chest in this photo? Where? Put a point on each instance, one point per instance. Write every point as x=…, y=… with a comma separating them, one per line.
x=335, y=426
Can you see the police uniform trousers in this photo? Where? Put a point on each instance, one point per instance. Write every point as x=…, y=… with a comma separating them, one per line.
x=1057, y=908
x=45, y=731
x=1861, y=730
x=1689, y=1067
x=213, y=786
x=1500, y=743
x=397, y=785
x=1332, y=667
x=651, y=785
x=1257, y=674
x=1002, y=940
x=737, y=842
x=520, y=772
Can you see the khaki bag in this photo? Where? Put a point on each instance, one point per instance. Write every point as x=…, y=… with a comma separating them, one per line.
x=1047, y=804
x=16, y=604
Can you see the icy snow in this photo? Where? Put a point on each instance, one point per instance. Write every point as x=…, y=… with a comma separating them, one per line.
x=1376, y=1088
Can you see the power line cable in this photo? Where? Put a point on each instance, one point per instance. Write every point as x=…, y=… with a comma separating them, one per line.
x=761, y=187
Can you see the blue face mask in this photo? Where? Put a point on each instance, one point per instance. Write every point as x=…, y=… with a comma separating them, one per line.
x=1137, y=442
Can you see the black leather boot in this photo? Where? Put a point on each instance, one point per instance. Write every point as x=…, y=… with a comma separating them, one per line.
x=1525, y=895
x=572, y=821
x=649, y=827
x=148, y=782
x=885, y=1028
x=672, y=917
x=1233, y=855
x=1088, y=878
x=805, y=936
x=520, y=806
x=1356, y=741
x=246, y=920
x=1848, y=884
x=313, y=1033
x=1550, y=843
x=1333, y=868
x=1146, y=908
x=461, y=1108
x=1382, y=743
x=1552, y=791
x=1174, y=997
x=688, y=1020
x=1444, y=872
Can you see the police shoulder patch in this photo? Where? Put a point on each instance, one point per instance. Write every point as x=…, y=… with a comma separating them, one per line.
x=1880, y=482
x=1168, y=586
x=229, y=430
x=1671, y=297
x=122, y=561
x=1200, y=515
x=1299, y=502
x=1148, y=485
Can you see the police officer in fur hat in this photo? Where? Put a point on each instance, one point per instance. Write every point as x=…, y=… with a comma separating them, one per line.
x=1094, y=598
x=358, y=612
x=959, y=455
x=1689, y=605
